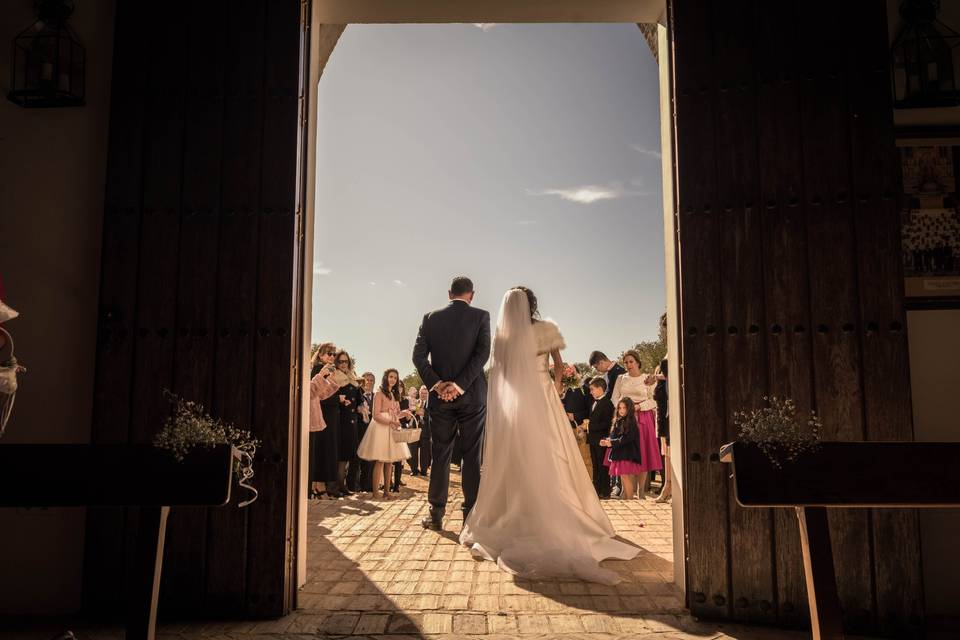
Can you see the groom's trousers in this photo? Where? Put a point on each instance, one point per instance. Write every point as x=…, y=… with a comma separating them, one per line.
x=446, y=420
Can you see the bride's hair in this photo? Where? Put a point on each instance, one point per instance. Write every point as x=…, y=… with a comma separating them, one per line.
x=532, y=299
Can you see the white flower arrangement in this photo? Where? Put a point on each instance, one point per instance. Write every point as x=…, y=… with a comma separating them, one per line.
x=776, y=431
x=189, y=426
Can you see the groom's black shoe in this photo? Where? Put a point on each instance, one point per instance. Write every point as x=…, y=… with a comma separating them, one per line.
x=434, y=521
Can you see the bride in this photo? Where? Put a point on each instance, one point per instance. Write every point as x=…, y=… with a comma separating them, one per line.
x=537, y=514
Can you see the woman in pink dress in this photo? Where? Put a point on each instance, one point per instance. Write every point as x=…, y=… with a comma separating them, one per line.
x=378, y=445
x=633, y=385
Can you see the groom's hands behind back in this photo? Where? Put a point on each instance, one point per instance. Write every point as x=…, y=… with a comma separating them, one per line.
x=447, y=391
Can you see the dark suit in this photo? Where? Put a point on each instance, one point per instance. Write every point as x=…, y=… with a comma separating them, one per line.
x=359, y=471
x=453, y=345
x=575, y=402
x=601, y=419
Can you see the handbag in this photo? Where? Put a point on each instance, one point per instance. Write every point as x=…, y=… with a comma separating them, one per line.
x=9, y=368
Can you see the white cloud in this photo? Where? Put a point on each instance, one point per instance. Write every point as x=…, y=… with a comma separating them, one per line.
x=526, y=223
x=400, y=283
x=320, y=270
x=485, y=26
x=372, y=283
x=586, y=194
x=590, y=193
x=653, y=153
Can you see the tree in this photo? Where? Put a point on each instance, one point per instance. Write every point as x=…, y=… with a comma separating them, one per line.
x=413, y=380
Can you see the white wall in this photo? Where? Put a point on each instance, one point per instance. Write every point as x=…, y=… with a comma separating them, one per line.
x=51, y=209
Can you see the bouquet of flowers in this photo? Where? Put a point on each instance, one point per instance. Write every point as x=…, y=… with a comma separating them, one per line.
x=570, y=378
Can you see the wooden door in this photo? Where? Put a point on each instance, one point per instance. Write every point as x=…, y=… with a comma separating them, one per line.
x=791, y=285
x=197, y=293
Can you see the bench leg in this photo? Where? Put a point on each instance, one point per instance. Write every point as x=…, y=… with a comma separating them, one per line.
x=142, y=599
x=826, y=619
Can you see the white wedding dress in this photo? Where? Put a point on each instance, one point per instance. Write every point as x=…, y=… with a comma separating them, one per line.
x=537, y=514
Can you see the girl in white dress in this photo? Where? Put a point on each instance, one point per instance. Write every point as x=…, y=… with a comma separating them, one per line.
x=634, y=384
x=378, y=445
x=537, y=514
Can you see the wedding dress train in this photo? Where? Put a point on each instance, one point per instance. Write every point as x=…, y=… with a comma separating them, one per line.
x=537, y=514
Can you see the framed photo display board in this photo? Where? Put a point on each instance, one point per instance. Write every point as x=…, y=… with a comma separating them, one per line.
x=930, y=216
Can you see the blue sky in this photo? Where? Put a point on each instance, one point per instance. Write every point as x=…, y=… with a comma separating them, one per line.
x=514, y=154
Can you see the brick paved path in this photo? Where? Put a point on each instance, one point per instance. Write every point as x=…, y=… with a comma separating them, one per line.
x=372, y=569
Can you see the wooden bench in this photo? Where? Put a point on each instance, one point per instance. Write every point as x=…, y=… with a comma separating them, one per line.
x=847, y=475
x=117, y=476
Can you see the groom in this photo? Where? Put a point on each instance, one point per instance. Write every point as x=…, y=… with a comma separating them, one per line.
x=452, y=346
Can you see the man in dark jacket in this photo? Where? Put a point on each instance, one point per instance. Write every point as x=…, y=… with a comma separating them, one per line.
x=452, y=347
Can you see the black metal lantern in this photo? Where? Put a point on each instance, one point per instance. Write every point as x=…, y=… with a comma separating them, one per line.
x=48, y=68
x=926, y=58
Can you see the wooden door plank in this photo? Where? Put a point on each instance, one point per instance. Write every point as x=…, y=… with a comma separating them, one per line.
x=786, y=283
x=236, y=284
x=159, y=237
x=741, y=257
x=197, y=280
x=118, y=297
x=701, y=314
x=833, y=286
x=269, y=541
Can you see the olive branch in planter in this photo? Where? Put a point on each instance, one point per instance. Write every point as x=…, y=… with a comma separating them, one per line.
x=778, y=431
x=189, y=426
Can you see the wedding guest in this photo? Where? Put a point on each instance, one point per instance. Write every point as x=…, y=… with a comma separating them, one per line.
x=358, y=472
x=610, y=370
x=350, y=395
x=598, y=428
x=576, y=402
x=577, y=406
x=378, y=445
x=426, y=455
x=637, y=386
x=328, y=439
x=624, y=457
x=661, y=396
x=321, y=388
x=405, y=423
x=413, y=404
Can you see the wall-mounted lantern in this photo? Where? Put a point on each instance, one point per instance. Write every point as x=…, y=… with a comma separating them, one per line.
x=48, y=66
x=926, y=58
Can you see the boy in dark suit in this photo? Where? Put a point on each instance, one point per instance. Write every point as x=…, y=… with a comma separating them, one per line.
x=599, y=423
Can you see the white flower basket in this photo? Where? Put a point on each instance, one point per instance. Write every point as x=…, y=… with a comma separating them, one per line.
x=406, y=435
